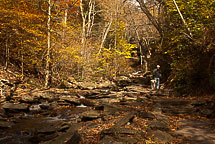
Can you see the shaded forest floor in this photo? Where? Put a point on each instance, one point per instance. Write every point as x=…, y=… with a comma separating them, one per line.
x=124, y=111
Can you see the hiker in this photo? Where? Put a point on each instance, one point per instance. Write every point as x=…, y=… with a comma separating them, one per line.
x=157, y=76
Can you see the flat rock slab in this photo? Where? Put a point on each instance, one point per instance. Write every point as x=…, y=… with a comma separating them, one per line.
x=4, y=124
x=12, y=106
x=71, y=100
x=173, y=102
x=197, y=131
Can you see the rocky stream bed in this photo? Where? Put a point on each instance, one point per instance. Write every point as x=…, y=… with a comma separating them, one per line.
x=112, y=113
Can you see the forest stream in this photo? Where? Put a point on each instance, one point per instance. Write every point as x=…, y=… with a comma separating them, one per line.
x=124, y=112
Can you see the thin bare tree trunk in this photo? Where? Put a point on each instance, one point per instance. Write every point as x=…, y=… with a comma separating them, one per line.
x=90, y=17
x=64, y=24
x=83, y=25
x=106, y=31
x=6, y=54
x=22, y=61
x=188, y=29
x=48, y=59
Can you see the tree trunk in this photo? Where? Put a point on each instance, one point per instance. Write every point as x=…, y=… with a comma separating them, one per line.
x=48, y=59
x=83, y=25
x=106, y=31
x=64, y=25
x=90, y=17
x=150, y=17
x=6, y=53
x=22, y=61
x=188, y=29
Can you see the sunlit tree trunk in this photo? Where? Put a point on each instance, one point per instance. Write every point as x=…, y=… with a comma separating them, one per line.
x=91, y=16
x=6, y=53
x=105, y=33
x=83, y=24
x=48, y=58
x=188, y=29
x=64, y=25
x=22, y=60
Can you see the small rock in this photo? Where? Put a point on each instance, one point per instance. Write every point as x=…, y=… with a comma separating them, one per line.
x=34, y=108
x=89, y=115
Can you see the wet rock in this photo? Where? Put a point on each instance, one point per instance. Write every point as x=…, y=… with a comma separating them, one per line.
x=90, y=115
x=160, y=136
x=13, y=106
x=4, y=124
x=71, y=136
